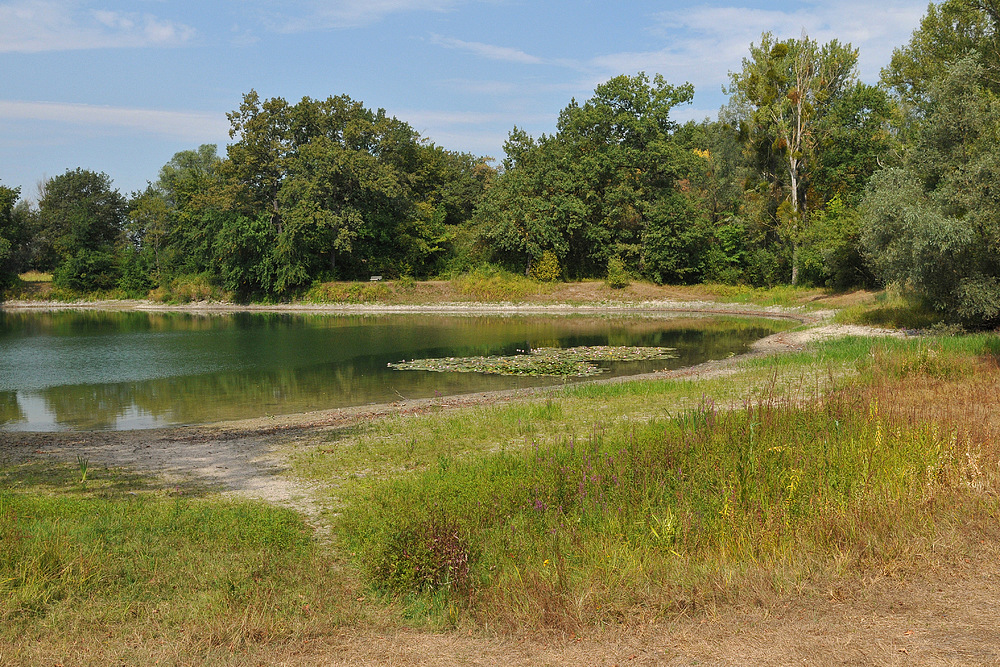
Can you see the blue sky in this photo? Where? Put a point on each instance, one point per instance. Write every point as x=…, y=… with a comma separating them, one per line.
x=120, y=87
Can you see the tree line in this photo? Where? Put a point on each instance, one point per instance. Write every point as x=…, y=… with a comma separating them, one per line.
x=807, y=176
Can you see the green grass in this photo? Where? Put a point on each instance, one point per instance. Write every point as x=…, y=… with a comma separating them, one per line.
x=641, y=498
x=148, y=570
x=370, y=292
x=36, y=277
x=891, y=311
x=781, y=295
x=618, y=515
x=492, y=284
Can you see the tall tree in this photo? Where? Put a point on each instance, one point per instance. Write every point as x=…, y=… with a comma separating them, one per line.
x=193, y=189
x=787, y=88
x=933, y=224
x=948, y=32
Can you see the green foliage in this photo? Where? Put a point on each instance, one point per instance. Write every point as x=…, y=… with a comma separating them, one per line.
x=950, y=31
x=81, y=217
x=617, y=277
x=786, y=95
x=547, y=268
x=188, y=288
x=87, y=271
x=606, y=183
x=10, y=236
x=135, y=275
x=345, y=191
x=346, y=293
x=931, y=224
x=492, y=283
x=831, y=253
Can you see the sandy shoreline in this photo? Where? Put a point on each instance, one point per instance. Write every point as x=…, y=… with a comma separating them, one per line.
x=456, y=307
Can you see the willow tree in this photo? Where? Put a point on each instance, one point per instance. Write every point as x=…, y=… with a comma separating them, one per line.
x=786, y=89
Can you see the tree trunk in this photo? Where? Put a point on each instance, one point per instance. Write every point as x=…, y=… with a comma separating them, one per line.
x=795, y=263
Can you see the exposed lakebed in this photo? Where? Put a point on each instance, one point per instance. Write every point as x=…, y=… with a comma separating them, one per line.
x=85, y=370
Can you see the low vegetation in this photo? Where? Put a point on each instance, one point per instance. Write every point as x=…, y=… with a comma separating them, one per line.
x=101, y=566
x=599, y=504
x=651, y=515
x=540, y=361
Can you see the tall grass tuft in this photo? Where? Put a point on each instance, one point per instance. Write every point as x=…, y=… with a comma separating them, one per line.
x=490, y=283
x=336, y=292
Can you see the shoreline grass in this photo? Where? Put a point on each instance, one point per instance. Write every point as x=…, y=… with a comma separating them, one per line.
x=598, y=505
x=649, y=516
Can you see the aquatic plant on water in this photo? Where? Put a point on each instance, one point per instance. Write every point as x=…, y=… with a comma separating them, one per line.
x=541, y=361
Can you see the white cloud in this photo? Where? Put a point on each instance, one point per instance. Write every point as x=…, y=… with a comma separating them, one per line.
x=33, y=26
x=488, y=51
x=185, y=125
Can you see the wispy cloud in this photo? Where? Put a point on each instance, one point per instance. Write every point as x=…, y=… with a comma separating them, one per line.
x=185, y=125
x=488, y=51
x=708, y=41
x=32, y=26
x=306, y=15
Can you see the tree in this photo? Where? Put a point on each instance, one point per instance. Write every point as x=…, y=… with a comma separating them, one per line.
x=10, y=234
x=347, y=190
x=787, y=88
x=950, y=31
x=82, y=216
x=606, y=184
x=933, y=224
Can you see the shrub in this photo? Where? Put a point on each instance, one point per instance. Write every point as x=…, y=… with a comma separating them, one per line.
x=618, y=277
x=87, y=271
x=547, y=268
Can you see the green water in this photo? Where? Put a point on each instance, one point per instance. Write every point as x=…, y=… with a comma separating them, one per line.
x=85, y=370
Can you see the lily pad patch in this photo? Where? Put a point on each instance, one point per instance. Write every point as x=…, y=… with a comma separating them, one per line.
x=541, y=361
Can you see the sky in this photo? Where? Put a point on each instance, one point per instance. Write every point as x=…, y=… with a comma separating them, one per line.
x=120, y=87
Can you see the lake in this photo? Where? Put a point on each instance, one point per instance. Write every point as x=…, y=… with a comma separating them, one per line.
x=88, y=370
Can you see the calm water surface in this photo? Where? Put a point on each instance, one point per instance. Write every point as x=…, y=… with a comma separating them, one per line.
x=82, y=370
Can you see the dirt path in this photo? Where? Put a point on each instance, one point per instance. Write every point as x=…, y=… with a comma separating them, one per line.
x=946, y=617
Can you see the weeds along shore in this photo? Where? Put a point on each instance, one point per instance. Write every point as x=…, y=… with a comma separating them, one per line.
x=595, y=506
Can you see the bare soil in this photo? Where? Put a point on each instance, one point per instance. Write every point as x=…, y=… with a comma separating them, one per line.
x=943, y=613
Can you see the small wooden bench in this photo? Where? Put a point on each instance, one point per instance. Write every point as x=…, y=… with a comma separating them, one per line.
x=374, y=278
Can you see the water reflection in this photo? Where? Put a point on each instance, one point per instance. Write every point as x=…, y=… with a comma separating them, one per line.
x=126, y=370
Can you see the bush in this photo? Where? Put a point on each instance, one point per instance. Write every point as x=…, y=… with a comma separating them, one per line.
x=618, y=277
x=87, y=271
x=547, y=268
x=491, y=283
x=188, y=288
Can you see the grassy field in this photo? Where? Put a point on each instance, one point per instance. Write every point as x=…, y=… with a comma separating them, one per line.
x=596, y=506
x=642, y=500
